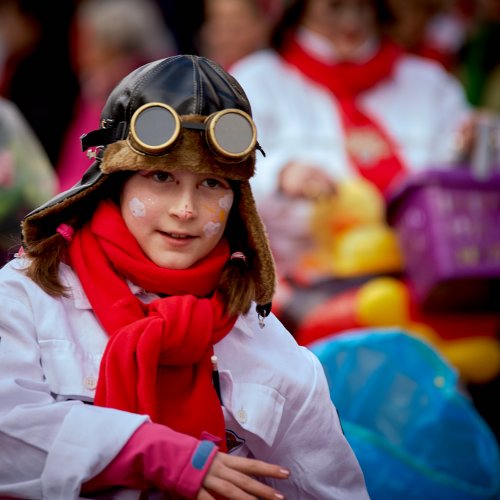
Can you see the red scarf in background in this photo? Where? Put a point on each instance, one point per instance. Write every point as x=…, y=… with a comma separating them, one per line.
x=157, y=360
x=370, y=149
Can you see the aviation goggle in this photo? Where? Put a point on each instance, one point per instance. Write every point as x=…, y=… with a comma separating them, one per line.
x=156, y=127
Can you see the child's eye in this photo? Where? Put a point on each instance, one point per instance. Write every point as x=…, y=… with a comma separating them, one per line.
x=161, y=176
x=214, y=183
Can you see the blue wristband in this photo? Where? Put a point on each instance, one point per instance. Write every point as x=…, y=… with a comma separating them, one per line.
x=201, y=454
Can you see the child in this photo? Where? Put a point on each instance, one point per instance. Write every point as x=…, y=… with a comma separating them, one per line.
x=137, y=350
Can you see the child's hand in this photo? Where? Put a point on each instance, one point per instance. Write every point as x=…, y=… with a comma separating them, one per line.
x=231, y=477
x=304, y=180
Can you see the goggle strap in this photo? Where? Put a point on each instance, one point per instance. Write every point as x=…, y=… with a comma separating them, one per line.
x=193, y=125
x=104, y=136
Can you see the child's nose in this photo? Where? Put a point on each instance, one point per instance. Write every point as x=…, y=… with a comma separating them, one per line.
x=184, y=207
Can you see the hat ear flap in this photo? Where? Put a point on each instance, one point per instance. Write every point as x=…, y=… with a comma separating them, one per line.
x=262, y=266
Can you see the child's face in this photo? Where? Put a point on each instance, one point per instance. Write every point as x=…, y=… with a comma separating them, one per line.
x=177, y=217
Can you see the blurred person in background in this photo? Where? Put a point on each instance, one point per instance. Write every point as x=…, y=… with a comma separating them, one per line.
x=110, y=38
x=233, y=29
x=447, y=29
x=411, y=28
x=335, y=99
x=27, y=177
x=35, y=67
x=479, y=58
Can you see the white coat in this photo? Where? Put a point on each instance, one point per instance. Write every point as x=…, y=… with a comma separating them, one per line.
x=276, y=399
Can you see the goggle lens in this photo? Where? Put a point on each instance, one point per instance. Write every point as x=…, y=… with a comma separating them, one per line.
x=155, y=128
x=233, y=134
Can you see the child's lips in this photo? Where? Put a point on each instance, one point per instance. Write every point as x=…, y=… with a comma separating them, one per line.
x=178, y=235
x=177, y=239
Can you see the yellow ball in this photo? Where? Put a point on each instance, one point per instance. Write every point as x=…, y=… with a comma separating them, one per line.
x=382, y=302
x=366, y=249
x=476, y=358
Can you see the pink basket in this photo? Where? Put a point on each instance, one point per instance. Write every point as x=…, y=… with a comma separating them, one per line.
x=448, y=223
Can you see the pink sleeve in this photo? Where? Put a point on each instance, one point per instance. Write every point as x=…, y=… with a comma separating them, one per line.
x=158, y=457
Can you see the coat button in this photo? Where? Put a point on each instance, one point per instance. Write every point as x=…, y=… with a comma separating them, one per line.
x=90, y=382
x=242, y=416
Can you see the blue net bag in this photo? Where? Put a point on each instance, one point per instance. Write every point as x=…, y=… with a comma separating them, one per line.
x=415, y=433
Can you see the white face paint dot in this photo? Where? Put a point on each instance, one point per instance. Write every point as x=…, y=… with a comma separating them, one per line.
x=211, y=228
x=137, y=207
x=226, y=202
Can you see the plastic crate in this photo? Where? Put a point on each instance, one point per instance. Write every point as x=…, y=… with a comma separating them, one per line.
x=448, y=224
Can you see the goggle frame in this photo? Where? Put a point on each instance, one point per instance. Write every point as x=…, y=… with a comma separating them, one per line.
x=209, y=126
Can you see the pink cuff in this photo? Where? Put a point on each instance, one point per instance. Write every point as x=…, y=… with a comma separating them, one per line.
x=158, y=457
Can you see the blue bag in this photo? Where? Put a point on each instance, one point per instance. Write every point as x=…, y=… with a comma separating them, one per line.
x=415, y=433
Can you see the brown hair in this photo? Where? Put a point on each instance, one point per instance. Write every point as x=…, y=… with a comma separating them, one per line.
x=48, y=249
x=236, y=285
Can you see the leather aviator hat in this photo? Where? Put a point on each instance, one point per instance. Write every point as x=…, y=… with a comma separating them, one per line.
x=182, y=112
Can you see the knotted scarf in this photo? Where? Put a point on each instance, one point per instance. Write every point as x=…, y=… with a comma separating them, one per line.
x=369, y=147
x=157, y=359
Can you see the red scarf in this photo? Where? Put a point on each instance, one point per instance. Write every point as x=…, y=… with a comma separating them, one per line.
x=369, y=147
x=157, y=360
